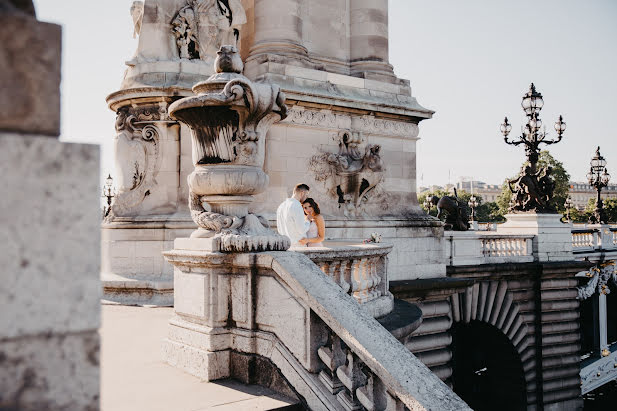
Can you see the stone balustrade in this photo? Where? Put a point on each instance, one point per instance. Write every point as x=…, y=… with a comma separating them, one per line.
x=584, y=239
x=359, y=269
x=597, y=238
x=476, y=247
x=281, y=306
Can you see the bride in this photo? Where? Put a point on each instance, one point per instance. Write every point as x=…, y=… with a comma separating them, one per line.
x=317, y=229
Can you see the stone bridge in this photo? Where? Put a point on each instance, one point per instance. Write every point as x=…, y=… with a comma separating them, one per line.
x=485, y=324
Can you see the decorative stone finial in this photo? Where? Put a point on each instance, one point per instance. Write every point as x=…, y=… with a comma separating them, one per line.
x=228, y=60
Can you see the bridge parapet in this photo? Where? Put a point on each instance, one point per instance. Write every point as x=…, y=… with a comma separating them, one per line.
x=279, y=309
x=477, y=247
x=361, y=270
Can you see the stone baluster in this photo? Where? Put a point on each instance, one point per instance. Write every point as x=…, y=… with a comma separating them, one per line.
x=346, y=276
x=369, y=38
x=373, y=264
x=375, y=396
x=359, y=280
x=333, y=357
x=352, y=378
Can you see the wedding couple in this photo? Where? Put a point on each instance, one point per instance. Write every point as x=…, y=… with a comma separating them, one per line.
x=299, y=219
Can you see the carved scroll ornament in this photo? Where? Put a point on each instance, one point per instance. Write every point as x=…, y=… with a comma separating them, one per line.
x=137, y=153
x=600, y=276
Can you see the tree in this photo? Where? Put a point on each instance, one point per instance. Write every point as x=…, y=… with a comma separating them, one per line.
x=560, y=176
x=608, y=204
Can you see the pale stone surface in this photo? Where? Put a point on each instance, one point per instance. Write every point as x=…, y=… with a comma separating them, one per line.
x=192, y=340
x=552, y=238
x=50, y=232
x=30, y=81
x=135, y=377
x=474, y=247
x=50, y=291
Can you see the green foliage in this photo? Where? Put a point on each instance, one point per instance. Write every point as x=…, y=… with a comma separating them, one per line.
x=489, y=213
x=609, y=205
x=560, y=175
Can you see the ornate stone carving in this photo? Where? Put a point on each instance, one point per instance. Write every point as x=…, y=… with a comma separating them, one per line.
x=229, y=119
x=312, y=118
x=373, y=125
x=201, y=27
x=352, y=175
x=364, y=124
x=600, y=276
x=137, y=158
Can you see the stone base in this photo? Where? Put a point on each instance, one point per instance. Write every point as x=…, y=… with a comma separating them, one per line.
x=133, y=269
x=552, y=238
x=131, y=291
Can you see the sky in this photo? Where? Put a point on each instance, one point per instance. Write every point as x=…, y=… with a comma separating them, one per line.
x=471, y=61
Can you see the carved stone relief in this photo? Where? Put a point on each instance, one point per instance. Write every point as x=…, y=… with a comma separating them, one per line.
x=366, y=124
x=201, y=27
x=137, y=154
x=353, y=176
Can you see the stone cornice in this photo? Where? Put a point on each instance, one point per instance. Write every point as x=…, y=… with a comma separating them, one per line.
x=367, y=124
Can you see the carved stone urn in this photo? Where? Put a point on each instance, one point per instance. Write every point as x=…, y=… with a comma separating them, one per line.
x=229, y=118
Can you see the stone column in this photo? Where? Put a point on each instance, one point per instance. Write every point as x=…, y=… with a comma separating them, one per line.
x=369, y=39
x=278, y=28
x=49, y=230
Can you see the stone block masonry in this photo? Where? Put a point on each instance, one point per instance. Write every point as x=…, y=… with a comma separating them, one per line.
x=50, y=290
x=49, y=345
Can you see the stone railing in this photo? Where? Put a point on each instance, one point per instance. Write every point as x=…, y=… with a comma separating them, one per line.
x=590, y=239
x=360, y=269
x=584, y=239
x=281, y=306
x=474, y=247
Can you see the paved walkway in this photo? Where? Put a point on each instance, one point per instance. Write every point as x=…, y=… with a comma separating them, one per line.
x=134, y=377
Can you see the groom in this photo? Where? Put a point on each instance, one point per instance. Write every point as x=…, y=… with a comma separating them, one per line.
x=290, y=219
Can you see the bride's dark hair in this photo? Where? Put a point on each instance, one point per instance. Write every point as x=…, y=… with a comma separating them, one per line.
x=313, y=204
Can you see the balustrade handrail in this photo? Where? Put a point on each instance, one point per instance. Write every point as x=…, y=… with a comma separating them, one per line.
x=584, y=230
x=404, y=376
x=360, y=269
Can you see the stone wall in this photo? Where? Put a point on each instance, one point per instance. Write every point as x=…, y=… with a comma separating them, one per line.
x=533, y=304
x=49, y=343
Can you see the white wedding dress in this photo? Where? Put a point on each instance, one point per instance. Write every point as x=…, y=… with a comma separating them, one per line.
x=313, y=233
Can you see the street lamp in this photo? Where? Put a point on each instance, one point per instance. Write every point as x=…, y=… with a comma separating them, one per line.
x=109, y=193
x=531, y=191
x=598, y=177
x=569, y=205
x=473, y=203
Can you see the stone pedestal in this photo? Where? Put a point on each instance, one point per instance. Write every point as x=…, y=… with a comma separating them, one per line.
x=49, y=231
x=552, y=238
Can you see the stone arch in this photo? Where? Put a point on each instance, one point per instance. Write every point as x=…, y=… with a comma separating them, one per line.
x=491, y=303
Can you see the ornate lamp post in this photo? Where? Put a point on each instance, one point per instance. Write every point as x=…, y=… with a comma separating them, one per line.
x=598, y=177
x=569, y=205
x=108, y=192
x=532, y=190
x=473, y=203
